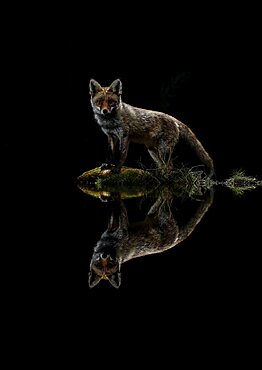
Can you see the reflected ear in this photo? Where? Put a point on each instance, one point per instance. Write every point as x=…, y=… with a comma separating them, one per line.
x=116, y=87
x=94, y=87
x=115, y=279
x=93, y=279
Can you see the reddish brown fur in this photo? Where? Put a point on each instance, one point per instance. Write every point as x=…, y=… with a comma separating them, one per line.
x=123, y=124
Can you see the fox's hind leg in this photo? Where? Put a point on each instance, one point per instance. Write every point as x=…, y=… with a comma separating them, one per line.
x=165, y=149
x=168, y=159
x=156, y=157
x=162, y=157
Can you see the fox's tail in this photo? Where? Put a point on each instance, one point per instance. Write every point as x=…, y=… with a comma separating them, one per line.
x=195, y=144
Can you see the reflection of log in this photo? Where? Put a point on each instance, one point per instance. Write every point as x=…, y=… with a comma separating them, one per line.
x=130, y=182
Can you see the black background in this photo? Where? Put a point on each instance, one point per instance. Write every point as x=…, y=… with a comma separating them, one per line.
x=216, y=96
x=213, y=278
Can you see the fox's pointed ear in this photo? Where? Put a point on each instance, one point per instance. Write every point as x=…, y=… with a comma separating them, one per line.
x=94, y=87
x=115, y=279
x=93, y=279
x=116, y=87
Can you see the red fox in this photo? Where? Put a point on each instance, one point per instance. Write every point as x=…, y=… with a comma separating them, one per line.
x=123, y=124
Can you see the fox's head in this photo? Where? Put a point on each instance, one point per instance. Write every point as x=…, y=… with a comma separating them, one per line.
x=105, y=100
x=104, y=266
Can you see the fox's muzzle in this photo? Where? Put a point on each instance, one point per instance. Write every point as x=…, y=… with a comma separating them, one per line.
x=104, y=111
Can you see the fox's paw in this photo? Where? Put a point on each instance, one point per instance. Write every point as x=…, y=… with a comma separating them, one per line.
x=104, y=198
x=106, y=166
x=111, y=167
x=110, y=198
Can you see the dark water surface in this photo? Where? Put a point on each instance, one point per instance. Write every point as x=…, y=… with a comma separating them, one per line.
x=212, y=278
x=219, y=260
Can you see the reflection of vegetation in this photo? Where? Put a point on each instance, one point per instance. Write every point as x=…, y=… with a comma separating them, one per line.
x=183, y=182
x=239, y=182
x=189, y=182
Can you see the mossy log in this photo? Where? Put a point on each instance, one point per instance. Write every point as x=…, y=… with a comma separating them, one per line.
x=130, y=182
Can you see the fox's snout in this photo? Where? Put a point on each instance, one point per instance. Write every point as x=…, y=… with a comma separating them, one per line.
x=105, y=109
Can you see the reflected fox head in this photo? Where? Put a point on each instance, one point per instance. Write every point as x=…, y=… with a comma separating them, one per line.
x=104, y=266
x=105, y=100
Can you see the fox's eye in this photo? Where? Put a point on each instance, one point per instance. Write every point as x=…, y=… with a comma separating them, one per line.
x=99, y=102
x=111, y=102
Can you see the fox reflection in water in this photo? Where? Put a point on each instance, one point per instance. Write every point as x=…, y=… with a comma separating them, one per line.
x=123, y=241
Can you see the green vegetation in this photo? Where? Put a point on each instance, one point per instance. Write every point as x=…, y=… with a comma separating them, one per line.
x=183, y=182
x=239, y=182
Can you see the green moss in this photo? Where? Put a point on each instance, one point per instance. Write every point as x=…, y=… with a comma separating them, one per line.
x=129, y=177
x=130, y=182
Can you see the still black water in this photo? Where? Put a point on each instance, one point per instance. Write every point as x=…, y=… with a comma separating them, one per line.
x=201, y=298
x=218, y=260
x=208, y=285
x=210, y=281
x=214, y=272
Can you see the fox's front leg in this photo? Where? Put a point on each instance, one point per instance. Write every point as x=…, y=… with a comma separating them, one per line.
x=112, y=144
x=123, y=150
x=111, y=156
